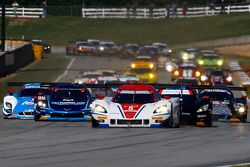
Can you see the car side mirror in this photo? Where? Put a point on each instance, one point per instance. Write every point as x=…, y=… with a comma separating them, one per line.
x=11, y=92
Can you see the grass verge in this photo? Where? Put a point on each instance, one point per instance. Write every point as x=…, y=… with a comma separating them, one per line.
x=46, y=70
x=58, y=30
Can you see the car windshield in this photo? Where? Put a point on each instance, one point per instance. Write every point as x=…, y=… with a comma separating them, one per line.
x=84, y=44
x=109, y=45
x=95, y=43
x=131, y=96
x=31, y=92
x=132, y=47
x=76, y=94
x=140, y=70
x=220, y=96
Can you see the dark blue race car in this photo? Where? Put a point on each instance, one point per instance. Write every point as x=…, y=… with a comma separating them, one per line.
x=67, y=102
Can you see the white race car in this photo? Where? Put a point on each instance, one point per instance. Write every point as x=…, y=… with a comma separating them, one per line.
x=136, y=106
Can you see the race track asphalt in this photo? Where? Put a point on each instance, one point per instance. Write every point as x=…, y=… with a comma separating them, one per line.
x=25, y=143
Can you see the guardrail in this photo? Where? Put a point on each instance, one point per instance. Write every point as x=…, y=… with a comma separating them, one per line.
x=24, y=12
x=161, y=12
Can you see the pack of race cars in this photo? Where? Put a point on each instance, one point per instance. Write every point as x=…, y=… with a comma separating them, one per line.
x=125, y=105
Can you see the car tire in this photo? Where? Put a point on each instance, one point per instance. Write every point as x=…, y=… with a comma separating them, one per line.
x=243, y=119
x=95, y=124
x=37, y=117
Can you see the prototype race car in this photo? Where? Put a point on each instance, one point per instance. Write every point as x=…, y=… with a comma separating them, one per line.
x=67, y=102
x=46, y=46
x=89, y=77
x=21, y=105
x=194, y=110
x=210, y=60
x=136, y=106
x=225, y=106
x=147, y=75
x=220, y=76
x=143, y=62
x=187, y=70
x=129, y=50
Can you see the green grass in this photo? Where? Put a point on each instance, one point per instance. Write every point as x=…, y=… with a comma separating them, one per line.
x=46, y=70
x=59, y=30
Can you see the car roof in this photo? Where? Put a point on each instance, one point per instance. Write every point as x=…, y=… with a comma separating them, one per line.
x=137, y=87
x=70, y=86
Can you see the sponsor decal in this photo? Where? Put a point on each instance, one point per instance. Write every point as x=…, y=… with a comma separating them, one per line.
x=28, y=103
x=68, y=103
x=41, y=98
x=130, y=110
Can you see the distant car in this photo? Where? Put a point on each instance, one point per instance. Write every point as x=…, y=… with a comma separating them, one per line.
x=67, y=102
x=21, y=105
x=143, y=62
x=47, y=47
x=129, y=50
x=129, y=79
x=225, y=106
x=188, y=55
x=108, y=48
x=187, y=70
x=94, y=42
x=136, y=106
x=194, y=110
x=89, y=77
x=147, y=75
x=220, y=77
x=85, y=48
x=210, y=61
x=149, y=50
x=163, y=48
x=71, y=48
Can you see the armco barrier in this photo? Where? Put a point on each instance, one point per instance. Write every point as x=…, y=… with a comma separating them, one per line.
x=16, y=59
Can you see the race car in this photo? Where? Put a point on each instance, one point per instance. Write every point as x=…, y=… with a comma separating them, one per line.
x=225, y=106
x=187, y=70
x=21, y=105
x=46, y=46
x=129, y=79
x=210, y=61
x=188, y=55
x=163, y=48
x=136, y=106
x=108, y=48
x=129, y=50
x=220, y=77
x=89, y=77
x=149, y=50
x=85, y=48
x=194, y=110
x=67, y=102
x=143, y=62
x=147, y=75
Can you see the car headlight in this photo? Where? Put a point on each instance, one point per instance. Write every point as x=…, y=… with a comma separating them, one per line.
x=197, y=73
x=41, y=104
x=151, y=75
x=8, y=105
x=204, y=78
x=203, y=108
x=176, y=73
x=80, y=82
x=133, y=65
x=101, y=48
x=170, y=68
x=161, y=109
x=219, y=62
x=229, y=79
x=151, y=65
x=242, y=109
x=200, y=62
x=170, y=51
x=99, y=108
x=185, y=56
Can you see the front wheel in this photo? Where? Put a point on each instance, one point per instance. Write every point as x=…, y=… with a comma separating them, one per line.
x=95, y=124
x=37, y=117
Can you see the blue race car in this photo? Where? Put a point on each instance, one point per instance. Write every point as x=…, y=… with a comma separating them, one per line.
x=21, y=105
x=67, y=102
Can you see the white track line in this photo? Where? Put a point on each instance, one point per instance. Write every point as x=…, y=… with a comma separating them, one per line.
x=243, y=164
x=66, y=71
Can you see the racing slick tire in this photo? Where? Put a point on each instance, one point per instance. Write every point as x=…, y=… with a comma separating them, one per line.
x=243, y=119
x=37, y=117
x=95, y=124
x=171, y=123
